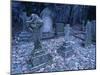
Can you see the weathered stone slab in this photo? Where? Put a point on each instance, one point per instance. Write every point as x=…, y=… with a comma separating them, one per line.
x=40, y=61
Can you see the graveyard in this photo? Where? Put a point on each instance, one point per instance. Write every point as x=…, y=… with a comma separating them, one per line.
x=48, y=37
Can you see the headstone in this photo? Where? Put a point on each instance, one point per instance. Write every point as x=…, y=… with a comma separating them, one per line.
x=24, y=17
x=62, y=13
x=83, y=25
x=93, y=31
x=47, y=28
x=77, y=14
x=59, y=28
x=67, y=32
x=88, y=38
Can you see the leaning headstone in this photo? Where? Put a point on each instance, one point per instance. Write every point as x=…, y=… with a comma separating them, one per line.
x=88, y=38
x=47, y=28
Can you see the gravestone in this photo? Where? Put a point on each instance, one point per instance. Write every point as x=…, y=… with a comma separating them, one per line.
x=77, y=14
x=88, y=37
x=93, y=31
x=62, y=13
x=38, y=57
x=83, y=25
x=24, y=17
x=67, y=32
x=47, y=28
x=66, y=50
x=59, y=28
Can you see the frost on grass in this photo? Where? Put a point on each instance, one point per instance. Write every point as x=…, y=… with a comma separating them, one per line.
x=80, y=58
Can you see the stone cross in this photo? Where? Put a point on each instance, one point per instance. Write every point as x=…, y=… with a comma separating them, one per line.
x=35, y=24
x=38, y=57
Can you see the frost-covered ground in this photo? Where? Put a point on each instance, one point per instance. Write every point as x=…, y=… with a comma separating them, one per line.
x=79, y=59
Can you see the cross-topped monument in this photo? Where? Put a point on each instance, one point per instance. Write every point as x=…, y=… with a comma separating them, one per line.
x=39, y=57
